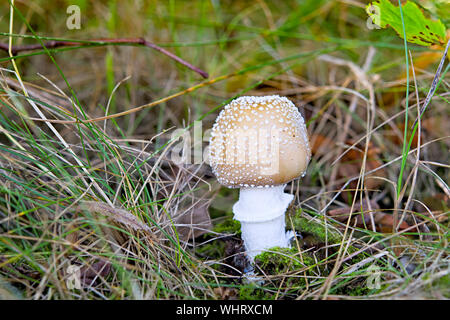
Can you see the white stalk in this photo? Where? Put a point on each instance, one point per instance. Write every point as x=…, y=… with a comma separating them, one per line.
x=261, y=214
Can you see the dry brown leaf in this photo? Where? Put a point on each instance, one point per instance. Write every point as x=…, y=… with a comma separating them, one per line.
x=420, y=62
x=398, y=139
x=225, y=293
x=341, y=214
x=89, y=274
x=351, y=164
x=333, y=298
x=23, y=270
x=437, y=126
x=436, y=215
x=119, y=215
x=194, y=223
x=361, y=216
x=435, y=206
x=387, y=223
x=402, y=245
x=320, y=144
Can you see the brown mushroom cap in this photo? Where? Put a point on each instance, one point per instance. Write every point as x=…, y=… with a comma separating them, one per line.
x=259, y=141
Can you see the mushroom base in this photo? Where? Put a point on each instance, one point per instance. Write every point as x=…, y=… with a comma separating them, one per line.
x=259, y=236
x=261, y=214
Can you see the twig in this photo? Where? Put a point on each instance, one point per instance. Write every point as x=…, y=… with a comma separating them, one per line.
x=433, y=84
x=148, y=105
x=120, y=41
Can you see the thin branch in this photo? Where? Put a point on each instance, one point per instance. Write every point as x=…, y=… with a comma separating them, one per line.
x=145, y=106
x=434, y=84
x=120, y=41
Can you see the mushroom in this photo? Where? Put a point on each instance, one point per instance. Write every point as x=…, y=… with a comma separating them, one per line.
x=259, y=144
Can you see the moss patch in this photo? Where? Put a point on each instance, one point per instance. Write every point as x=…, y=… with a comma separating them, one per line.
x=356, y=290
x=213, y=249
x=314, y=228
x=442, y=285
x=279, y=260
x=287, y=269
x=228, y=226
x=253, y=292
x=287, y=272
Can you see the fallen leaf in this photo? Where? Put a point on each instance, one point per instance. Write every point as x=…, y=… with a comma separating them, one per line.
x=387, y=222
x=437, y=126
x=89, y=274
x=320, y=144
x=361, y=216
x=436, y=215
x=398, y=140
x=24, y=271
x=225, y=293
x=360, y=213
x=351, y=163
x=119, y=215
x=435, y=205
x=341, y=214
x=194, y=223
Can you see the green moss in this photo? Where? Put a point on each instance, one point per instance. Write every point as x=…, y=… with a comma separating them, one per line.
x=443, y=285
x=228, y=226
x=357, y=289
x=287, y=268
x=213, y=249
x=253, y=292
x=315, y=229
x=316, y=234
x=278, y=260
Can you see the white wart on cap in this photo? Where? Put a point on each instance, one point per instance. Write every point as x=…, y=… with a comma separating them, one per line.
x=259, y=141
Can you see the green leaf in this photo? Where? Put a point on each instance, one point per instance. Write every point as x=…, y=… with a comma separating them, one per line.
x=439, y=8
x=419, y=29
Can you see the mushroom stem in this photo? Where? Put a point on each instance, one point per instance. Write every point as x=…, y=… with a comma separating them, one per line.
x=261, y=212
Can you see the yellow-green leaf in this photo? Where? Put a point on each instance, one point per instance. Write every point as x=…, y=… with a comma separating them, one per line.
x=418, y=28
